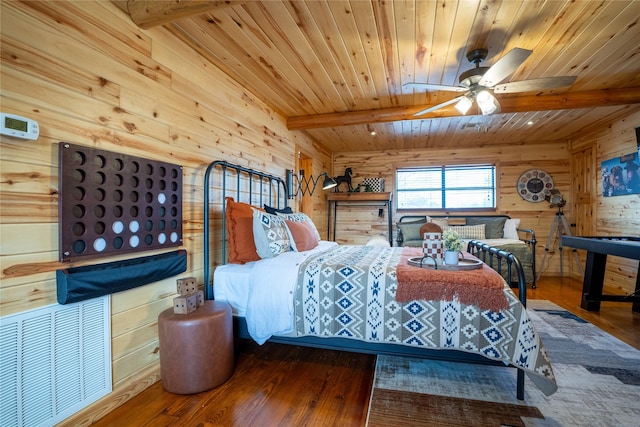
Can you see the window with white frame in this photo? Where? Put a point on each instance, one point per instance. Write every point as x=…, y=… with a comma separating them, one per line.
x=446, y=187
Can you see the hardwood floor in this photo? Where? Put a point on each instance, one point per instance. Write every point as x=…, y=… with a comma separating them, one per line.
x=278, y=385
x=273, y=385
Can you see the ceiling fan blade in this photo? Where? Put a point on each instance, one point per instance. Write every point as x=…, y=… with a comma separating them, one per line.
x=535, y=84
x=428, y=86
x=504, y=67
x=438, y=106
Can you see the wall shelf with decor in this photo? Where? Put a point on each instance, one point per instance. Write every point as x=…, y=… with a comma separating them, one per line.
x=360, y=199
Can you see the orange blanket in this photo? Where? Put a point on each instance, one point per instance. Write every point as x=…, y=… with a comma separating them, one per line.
x=482, y=287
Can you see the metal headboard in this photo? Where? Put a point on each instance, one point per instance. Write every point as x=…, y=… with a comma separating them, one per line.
x=245, y=185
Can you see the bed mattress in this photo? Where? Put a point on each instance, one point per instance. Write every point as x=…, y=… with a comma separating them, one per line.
x=232, y=281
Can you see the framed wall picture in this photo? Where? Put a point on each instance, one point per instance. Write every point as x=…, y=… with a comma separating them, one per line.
x=621, y=176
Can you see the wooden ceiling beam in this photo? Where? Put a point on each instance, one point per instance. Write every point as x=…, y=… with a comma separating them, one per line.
x=511, y=104
x=151, y=13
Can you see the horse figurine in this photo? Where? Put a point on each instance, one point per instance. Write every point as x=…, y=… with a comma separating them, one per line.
x=344, y=178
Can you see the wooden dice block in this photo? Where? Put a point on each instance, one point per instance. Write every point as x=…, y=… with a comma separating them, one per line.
x=187, y=286
x=185, y=304
x=200, y=301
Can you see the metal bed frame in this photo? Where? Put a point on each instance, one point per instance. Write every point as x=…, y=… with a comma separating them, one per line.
x=251, y=186
x=271, y=193
x=529, y=239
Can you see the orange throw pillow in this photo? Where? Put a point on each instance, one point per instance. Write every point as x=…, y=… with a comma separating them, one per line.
x=430, y=227
x=242, y=248
x=303, y=235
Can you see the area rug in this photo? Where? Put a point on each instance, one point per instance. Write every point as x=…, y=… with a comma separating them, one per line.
x=598, y=380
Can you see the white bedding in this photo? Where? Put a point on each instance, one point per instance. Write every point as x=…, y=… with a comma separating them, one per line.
x=262, y=291
x=231, y=284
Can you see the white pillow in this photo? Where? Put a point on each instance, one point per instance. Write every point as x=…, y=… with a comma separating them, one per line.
x=511, y=228
x=474, y=232
x=270, y=234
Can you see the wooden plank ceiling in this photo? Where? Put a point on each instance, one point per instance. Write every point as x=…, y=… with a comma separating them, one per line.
x=336, y=69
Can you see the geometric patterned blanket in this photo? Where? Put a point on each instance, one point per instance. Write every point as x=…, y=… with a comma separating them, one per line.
x=350, y=291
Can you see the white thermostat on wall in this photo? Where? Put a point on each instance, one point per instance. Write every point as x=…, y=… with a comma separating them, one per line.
x=18, y=127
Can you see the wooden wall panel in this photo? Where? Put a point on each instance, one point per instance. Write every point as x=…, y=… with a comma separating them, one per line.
x=619, y=215
x=91, y=77
x=356, y=225
x=580, y=184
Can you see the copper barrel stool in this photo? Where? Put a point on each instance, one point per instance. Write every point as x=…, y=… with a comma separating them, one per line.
x=196, y=349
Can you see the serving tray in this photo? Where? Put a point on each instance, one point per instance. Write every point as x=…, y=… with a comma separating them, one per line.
x=463, y=264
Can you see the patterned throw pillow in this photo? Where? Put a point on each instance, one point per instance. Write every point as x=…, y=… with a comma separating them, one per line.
x=270, y=234
x=300, y=217
x=468, y=232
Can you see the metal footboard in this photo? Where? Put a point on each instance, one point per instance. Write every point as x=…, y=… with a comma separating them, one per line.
x=530, y=240
x=493, y=256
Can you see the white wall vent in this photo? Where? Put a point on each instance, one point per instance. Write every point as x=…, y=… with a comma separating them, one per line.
x=54, y=361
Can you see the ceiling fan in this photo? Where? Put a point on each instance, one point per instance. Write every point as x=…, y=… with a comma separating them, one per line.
x=478, y=83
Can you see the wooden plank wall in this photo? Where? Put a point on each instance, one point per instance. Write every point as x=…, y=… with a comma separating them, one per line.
x=91, y=77
x=612, y=216
x=511, y=161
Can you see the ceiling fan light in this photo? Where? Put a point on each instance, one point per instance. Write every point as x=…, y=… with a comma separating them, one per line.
x=484, y=97
x=463, y=105
x=488, y=109
x=487, y=102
